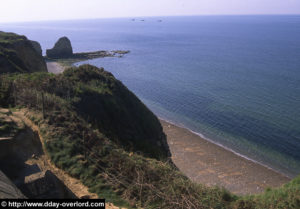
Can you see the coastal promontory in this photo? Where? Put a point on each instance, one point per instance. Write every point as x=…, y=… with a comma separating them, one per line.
x=17, y=54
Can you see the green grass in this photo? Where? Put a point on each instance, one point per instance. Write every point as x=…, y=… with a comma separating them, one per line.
x=8, y=38
x=285, y=197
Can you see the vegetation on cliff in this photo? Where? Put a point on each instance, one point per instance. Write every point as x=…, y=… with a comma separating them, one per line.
x=83, y=115
x=110, y=144
x=17, y=54
x=99, y=132
x=96, y=96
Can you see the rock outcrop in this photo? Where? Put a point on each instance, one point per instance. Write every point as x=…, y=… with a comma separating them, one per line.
x=17, y=54
x=45, y=185
x=37, y=46
x=8, y=190
x=61, y=49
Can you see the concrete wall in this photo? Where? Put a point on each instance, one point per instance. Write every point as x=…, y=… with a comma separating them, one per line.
x=8, y=189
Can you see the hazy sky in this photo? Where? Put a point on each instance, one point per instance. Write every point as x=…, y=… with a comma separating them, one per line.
x=34, y=10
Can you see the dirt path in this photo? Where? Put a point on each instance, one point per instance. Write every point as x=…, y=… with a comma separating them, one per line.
x=44, y=163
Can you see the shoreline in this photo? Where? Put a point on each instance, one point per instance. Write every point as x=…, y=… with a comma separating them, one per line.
x=224, y=147
x=211, y=164
x=55, y=67
x=58, y=65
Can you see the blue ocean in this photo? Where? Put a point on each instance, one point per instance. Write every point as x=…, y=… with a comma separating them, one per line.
x=234, y=80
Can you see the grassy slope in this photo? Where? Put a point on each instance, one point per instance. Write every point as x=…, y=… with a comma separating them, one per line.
x=285, y=197
x=86, y=133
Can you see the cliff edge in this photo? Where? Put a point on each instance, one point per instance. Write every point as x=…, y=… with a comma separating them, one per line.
x=17, y=54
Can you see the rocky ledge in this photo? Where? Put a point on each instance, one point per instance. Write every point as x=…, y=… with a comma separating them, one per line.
x=63, y=50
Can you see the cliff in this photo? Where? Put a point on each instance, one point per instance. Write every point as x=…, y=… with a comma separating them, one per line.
x=117, y=112
x=17, y=54
x=95, y=95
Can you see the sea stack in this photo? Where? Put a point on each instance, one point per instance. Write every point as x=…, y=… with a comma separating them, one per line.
x=61, y=49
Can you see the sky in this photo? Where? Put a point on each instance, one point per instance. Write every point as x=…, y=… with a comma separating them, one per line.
x=37, y=10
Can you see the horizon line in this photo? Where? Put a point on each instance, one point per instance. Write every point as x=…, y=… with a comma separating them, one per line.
x=158, y=16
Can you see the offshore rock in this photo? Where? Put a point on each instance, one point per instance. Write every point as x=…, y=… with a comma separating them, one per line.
x=61, y=49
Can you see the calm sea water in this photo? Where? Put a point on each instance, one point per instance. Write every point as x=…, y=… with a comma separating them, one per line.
x=233, y=79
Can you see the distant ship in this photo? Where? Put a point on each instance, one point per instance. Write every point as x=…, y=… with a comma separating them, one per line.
x=159, y=20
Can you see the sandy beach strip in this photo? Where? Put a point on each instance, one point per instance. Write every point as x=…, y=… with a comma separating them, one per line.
x=55, y=67
x=207, y=163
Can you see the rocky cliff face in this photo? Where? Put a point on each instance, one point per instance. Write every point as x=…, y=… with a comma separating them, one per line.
x=36, y=45
x=61, y=49
x=45, y=185
x=17, y=54
x=9, y=189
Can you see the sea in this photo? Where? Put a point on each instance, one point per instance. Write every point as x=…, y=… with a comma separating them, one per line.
x=234, y=80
